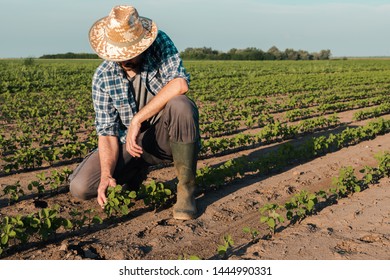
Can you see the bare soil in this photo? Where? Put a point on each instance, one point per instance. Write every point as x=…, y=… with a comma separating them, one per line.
x=356, y=227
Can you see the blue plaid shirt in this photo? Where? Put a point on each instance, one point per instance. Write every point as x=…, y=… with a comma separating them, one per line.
x=112, y=94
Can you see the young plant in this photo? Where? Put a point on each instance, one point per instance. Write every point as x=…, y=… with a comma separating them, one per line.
x=39, y=186
x=77, y=219
x=13, y=192
x=372, y=175
x=46, y=222
x=118, y=201
x=188, y=257
x=155, y=194
x=384, y=163
x=300, y=206
x=254, y=233
x=58, y=178
x=346, y=183
x=227, y=242
x=271, y=217
x=92, y=219
x=7, y=232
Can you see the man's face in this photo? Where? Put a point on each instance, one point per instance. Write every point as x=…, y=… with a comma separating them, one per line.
x=132, y=64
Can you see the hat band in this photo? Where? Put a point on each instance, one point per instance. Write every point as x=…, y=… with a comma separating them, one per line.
x=128, y=43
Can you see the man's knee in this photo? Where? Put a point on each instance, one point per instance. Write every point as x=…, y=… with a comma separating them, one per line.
x=183, y=119
x=182, y=106
x=80, y=189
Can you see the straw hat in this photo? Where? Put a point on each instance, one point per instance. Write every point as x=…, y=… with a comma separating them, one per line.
x=122, y=35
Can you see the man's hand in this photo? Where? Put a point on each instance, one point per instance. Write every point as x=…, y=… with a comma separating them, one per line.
x=131, y=139
x=105, y=182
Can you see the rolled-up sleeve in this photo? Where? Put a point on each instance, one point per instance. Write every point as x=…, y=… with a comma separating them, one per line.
x=106, y=115
x=167, y=59
x=171, y=68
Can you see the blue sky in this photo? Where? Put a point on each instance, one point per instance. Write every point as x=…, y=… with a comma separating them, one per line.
x=346, y=27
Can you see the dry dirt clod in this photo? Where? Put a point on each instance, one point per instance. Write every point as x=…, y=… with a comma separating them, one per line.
x=370, y=238
x=63, y=247
x=298, y=173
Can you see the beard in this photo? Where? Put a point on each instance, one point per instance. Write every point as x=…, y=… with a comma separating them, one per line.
x=132, y=64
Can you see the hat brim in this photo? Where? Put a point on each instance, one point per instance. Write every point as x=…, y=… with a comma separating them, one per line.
x=109, y=51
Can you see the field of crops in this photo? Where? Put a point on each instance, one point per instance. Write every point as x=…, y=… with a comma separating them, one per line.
x=283, y=142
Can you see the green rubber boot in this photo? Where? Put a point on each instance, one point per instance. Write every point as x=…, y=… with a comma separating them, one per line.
x=184, y=160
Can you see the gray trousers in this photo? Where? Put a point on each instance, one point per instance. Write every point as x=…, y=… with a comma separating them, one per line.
x=179, y=122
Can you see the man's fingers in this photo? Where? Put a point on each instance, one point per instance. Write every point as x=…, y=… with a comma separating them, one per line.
x=104, y=184
x=137, y=148
x=102, y=199
x=134, y=149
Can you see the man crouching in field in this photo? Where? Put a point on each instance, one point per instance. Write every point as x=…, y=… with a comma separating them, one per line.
x=143, y=116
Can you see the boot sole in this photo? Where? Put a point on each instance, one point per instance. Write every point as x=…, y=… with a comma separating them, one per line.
x=184, y=216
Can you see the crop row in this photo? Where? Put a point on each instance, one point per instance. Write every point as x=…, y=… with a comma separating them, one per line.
x=46, y=222
x=47, y=112
x=304, y=204
x=288, y=153
x=250, y=80
x=223, y=124
x=312, y=105
x=27, y=158
x=253, y=105
x=374, y=112
x=45, y=77
x=272, y=132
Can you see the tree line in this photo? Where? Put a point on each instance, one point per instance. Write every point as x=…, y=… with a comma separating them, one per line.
x=253, y=54
x=70, y=55
x=233, y=54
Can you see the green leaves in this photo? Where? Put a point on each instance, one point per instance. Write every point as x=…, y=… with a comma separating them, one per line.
x=155, y=194
x=80, y=218
x=383, y=163
x=189, y=257
x=301, y=205
x=271, y=217
x=347, y=183
x=227, y=242
x=38, y=185
x=13, y=192
x=253, y=232
x=7, y=231
x=118, y=201
x=44, y=223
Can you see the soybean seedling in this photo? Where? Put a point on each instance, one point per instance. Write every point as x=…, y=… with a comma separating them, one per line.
x=118, y=201
x=227, y=242
x=13, y=192
x=272, y=218
x=254, y=233
x=155, y=194
x=300, y=206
